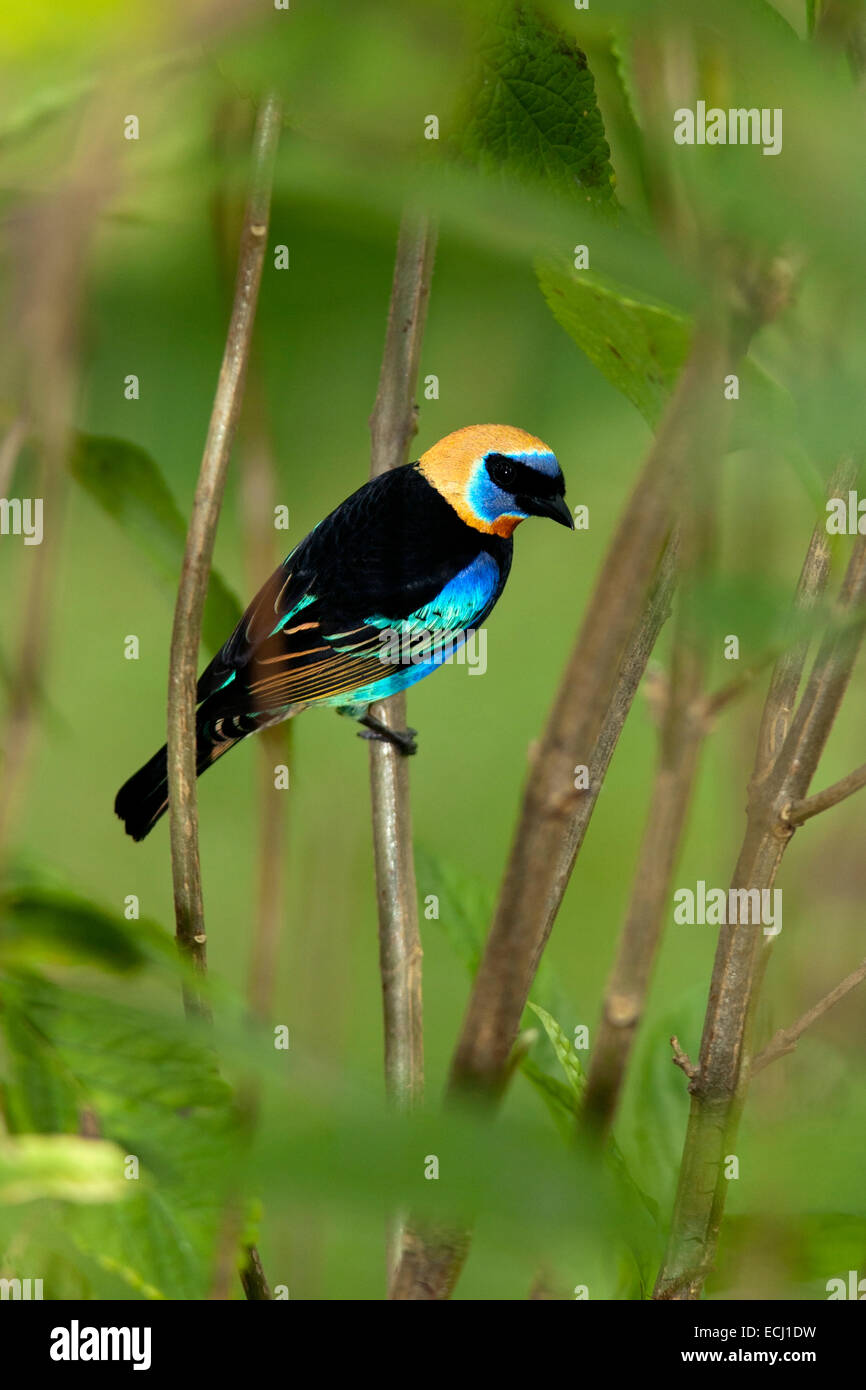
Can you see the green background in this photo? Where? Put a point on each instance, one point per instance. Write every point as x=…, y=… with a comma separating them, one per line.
x=357, y=90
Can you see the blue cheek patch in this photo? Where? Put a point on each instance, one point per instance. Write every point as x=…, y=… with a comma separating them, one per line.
x=488, y=501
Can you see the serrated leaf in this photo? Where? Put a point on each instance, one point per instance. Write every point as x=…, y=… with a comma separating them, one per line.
x=560, y=1099
x=145, y=1245
x=129, y=487
x=533, y=112
x=155, y=1090
x=566, y=1055
x=37, y=1091
x=465, y=905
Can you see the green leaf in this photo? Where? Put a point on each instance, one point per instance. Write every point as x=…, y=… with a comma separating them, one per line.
x=62, y=1166
x=154, y=1089
x=560, y=1099
x=533, y=112
x=637, y=345
x=640, y=346
x=465, y=905
x=128, y=485
x=564, y=1103
x=50, y=925
x=566, y=1055
x=38, y=1092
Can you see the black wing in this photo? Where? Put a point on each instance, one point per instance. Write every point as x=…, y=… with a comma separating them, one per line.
x=388, y=550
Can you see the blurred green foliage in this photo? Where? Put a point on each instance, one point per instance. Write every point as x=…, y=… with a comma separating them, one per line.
x=541, y=149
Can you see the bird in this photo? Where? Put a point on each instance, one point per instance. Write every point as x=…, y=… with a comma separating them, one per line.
x=375, y=598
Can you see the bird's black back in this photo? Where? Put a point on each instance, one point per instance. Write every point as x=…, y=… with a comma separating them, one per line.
x=388, y=550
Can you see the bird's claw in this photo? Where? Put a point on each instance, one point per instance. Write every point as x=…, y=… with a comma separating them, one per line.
x=402, y=739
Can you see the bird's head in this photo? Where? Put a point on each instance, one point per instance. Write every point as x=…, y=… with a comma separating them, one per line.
x=494, y=476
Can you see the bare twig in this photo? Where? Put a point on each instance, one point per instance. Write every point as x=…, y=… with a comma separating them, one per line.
x=393, y=424
x=716, y=701
x=432, y=1261
x=681, y=1059
x=183, y=662
x=683, y=729
x=625, y=996
x=430, y=1264
x=253, y=1278
x=275, y=743
x=788, y=670
x=786, y=1039
x=232, y=132
x=786, y=758
x=810, y=806
x=554, y=815
x=556, y=807
x=186, y=633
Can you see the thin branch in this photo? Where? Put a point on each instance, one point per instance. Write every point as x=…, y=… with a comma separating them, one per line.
x=687, y=719
x=253, y=1278
x=786, y=1039
x=714, y=703
x=432, y=1262
x=681, y=1059
x=393, y=423
x=555, y=812
x=186, y=633
x=233, y=128
x=786, y=758
x=275, y=743
x=810, y=806
x=788, y=671
x=683, y=729
x=556, y=808
x=392, y=426
x=640, y=938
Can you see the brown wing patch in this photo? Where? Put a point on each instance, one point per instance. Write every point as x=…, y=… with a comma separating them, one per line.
x=318, y=673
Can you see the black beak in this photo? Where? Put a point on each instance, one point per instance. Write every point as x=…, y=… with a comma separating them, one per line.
x=555, y=507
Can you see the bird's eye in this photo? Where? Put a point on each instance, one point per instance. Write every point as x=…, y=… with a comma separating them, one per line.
x=502, y=471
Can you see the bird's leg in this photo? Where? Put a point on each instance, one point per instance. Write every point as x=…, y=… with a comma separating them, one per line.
x=404, y=739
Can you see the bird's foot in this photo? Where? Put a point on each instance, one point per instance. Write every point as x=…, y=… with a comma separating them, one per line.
x=376, y=731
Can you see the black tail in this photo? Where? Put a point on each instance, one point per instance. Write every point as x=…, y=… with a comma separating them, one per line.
x=143, y=800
